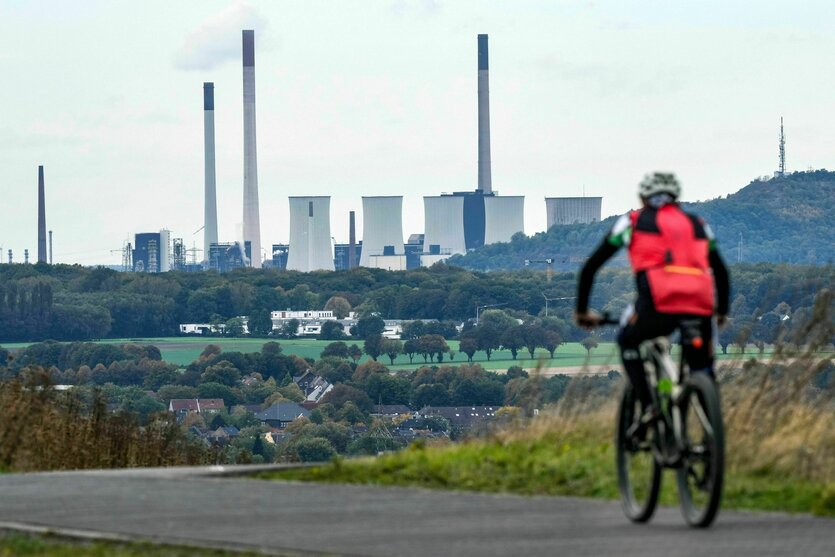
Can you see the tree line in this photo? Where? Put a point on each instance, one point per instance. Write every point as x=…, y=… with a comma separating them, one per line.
x=61, y=302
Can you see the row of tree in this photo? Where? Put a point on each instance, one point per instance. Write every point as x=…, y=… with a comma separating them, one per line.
x=76, y=303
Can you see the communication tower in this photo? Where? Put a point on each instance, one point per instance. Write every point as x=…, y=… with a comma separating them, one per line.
x=782, y=170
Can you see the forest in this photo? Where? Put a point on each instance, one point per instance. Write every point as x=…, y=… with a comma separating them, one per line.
x=61, y=302
x=784, y=219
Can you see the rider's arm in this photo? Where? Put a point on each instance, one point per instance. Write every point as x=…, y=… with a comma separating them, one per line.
x=618, y=236
x=720, y=273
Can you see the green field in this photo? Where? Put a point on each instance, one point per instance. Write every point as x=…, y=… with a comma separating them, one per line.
x=184, y=350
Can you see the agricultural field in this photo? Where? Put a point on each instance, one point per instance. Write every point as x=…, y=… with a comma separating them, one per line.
x=569, y=357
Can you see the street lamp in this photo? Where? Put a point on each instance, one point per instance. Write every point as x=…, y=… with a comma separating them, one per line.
x=547, y=299
x=478, y=308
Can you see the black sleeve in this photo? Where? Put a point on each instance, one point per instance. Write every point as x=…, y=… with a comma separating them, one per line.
x=720, y=275
x=603, y=252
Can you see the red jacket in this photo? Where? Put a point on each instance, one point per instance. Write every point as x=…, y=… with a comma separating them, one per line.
x=671, y=247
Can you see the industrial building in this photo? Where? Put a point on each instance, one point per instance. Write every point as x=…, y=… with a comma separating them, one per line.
x=382, y=236
x=414, y=249
x=228, y=256
x=572, y=210
x=152, y=252
x=279, y=258
x=252, y=218
x=310, y=234
x=342, y=257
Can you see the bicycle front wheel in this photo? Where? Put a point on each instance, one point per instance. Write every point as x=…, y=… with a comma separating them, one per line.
x=701, y=474
x=639, y=474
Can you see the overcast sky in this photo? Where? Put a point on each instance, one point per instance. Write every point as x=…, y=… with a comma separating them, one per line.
x=379, y=98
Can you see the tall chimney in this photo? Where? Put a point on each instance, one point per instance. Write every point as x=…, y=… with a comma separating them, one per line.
x=485, y=180
x=41, y=218
x=50, y=247
x=352, y=240
x=252, y=219
x=210, y=188
x=26, y=256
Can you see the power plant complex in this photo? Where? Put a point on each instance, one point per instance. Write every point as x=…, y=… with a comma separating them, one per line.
x=454, y=223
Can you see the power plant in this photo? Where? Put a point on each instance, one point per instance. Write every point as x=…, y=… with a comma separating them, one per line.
x=252, y=218
x=485, y=217
x=455, y=223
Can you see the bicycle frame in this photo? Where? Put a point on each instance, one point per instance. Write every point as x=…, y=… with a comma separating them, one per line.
x=665, y=379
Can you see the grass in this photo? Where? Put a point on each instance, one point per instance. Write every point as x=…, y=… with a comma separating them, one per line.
x=184, y=350
x=570, y=461
x=780, y=443
x=26, y=545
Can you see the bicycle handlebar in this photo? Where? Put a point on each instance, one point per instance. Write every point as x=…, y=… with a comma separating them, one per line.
x=607, y=319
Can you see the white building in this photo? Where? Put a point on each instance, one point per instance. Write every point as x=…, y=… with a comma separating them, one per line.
x=382, y=233
x=503, y=217
x=310, y=234
x=286, y=315
x=572, y=210
x=444, y=228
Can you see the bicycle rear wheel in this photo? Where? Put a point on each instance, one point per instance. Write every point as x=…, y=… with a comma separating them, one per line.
x=639, y=474
x=702, y=470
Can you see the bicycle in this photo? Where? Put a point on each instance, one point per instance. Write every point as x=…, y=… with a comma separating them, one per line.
x=686, y=433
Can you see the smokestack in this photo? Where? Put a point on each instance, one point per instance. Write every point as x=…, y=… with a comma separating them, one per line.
x=26, y=256
x=10, y=256
x=485, y=180
x=41, y=218
x=352, y=240
x=210, y=188
x=50, y=247
x=252, y=219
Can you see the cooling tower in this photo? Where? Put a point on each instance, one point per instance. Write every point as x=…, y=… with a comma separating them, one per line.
x=252, y=219
x=503, y=217
x=310, y=234
x=210, y=187
x=485, y=180
x=41, y=218
x=572, y=210
x=382, y=228
x=444, y=225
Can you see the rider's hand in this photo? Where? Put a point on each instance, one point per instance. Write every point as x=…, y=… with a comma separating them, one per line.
x=588, y=319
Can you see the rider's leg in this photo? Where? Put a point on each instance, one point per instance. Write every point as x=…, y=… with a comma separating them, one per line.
x=629, y=340
x=700, y=358
x=644, y=324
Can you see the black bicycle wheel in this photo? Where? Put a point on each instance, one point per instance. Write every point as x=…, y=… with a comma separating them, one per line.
x=702, y=470
x=639, y=474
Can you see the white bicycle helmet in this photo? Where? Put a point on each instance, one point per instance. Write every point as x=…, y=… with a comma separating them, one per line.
x=659, y=182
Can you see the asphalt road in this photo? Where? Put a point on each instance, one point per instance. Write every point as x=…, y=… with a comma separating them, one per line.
x=192, y=506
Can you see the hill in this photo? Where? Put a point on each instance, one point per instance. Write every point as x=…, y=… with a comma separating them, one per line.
x=782, y=220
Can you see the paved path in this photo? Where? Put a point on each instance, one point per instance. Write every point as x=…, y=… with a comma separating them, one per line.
x=191, y=506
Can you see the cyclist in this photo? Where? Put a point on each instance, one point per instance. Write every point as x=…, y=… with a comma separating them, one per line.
x=671, y=253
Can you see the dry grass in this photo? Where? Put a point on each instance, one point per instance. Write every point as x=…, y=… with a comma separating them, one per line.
x=44, y=429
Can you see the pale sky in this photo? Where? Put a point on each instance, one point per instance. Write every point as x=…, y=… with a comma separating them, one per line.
x=379, y=98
